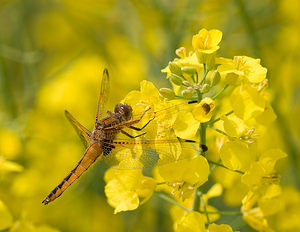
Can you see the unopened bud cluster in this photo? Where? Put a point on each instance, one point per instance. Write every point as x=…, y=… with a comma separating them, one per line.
x=186, y=79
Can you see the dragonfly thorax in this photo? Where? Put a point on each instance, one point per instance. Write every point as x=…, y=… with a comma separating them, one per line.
x=124, y=111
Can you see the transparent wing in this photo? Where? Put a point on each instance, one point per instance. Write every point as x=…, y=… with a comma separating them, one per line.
x=141, y=154
x=82, y=132
x=104, y=93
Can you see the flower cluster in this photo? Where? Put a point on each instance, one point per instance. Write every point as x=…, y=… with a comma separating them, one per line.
x=222, y=104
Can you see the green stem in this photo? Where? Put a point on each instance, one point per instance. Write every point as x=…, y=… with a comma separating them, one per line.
x=205, y=71
x=221, y=165
x=202, y=131
x=221, y=91
x=199, y=95
x=225, y=213
x=196, y=202
x=218, y=119
x=221, y=132
x=204, y=207
x=198, y=193
x=173, y=202
x=160, y=183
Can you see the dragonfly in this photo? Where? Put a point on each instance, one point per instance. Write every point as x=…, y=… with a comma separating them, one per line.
x=128, y=153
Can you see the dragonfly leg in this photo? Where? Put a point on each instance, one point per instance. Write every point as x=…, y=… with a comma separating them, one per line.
x=139, y=129
x=131, y=136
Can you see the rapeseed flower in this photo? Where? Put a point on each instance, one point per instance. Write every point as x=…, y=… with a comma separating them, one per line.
x=127, y=189
x=244, y=67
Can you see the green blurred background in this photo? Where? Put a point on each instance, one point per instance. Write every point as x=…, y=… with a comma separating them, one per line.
x=52, y=54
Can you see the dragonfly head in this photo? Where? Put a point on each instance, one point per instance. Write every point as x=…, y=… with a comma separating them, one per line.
x=123, y=110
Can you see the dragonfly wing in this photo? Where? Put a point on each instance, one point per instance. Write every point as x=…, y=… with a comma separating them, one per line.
x=104, y=93
x=82, y=132
x=140, y=154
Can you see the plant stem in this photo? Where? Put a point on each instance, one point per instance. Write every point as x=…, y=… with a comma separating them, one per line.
x=205, y=74
x=173, y=202
x=221, y=91
x=202, y=131
x=221, y=165
x=199, y=95
x=196, y=202
x=218, y=119
x=221, y=132
x=204, y=207
x=160, y=183
x=170, y=200
x=198, y=193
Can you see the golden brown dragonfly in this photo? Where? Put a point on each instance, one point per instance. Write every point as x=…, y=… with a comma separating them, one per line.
x=119, y=153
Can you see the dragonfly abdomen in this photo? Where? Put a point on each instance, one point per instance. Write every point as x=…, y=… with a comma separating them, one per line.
x=89, y=157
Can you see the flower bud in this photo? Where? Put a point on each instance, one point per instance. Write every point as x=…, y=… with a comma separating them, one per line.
x=187, y=93
x=175, y=79
x=205, y=88
x=231, y=78
x=215, y=78
x=189, y=70
x=181, y=52
x=175, y=68
x=187, y=83
x=167, y=93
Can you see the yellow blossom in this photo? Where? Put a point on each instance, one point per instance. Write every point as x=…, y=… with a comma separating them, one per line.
x=191, y=222
x=185, y=125
x=236, y=155
x=219, y=228
x=287, y=219
x=247, y=102
x=207, y=41
x=185, y=175
x=203, y=110
x=127, y=189
x=259, y=204
x=264, y=167
x=246, y=68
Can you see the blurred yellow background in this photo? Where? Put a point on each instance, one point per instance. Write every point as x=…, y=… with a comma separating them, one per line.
x=52, y=54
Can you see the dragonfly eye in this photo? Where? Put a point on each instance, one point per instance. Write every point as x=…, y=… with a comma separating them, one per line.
x=123, y=109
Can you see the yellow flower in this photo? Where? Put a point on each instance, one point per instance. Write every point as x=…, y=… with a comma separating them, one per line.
x=207, y=41
x=191, y=222
x=261, y=203
x=203, y=110
x=185, y=175
x=219, y=228
x=247, y=102
x=127, y=189
x=246, y=68
x=287, y=219
x=264, y=167
x=236, y=155
x=139, y=100
x=186, y=126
